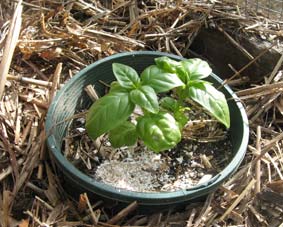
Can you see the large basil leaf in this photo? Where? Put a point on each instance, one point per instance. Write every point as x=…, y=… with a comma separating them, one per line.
x=123, y=135
x=146, y=98
x=196, y=68
x=159, y=132
x=108, y=112
x=159, y=79
x=126, y=75
x=212, y=100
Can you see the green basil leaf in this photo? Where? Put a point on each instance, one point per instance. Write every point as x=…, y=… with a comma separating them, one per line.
x=196, y=68
x=146, y=98
x=198, y=83
x=123, y=135
x=178, y=111
x=172, y=66
x=182, y=74
x=181, y=118
x=167, y=64
x=108, y=112
x=212, y=100
x=159, y=132
x=160, y=80
x=116, y=87
x=126, y=75
x=169, y=104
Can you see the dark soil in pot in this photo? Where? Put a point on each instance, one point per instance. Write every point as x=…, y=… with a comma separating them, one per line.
x=195, y=160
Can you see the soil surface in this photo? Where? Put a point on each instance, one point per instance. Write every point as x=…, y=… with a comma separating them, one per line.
x=136, y=168
x=189, y=164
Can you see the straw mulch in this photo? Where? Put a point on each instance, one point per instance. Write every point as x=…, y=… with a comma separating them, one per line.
x=44, y=43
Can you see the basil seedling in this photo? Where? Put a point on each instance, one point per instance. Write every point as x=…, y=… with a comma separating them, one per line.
x=160, y=127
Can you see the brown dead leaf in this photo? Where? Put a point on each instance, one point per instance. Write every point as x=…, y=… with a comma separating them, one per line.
x=134, y=29
x=51, y=53
x=276, y=186
x=82, y=203
x=24, y=223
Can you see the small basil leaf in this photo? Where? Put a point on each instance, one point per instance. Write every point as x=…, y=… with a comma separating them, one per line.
x=160, y=80
x=159, y=132
x=182, y=74
x=212, y=100
x=126, y=75
x=181, y=118
x=116, y=87
x=123, y=135
x=196, y=68
x=178, y=111
x=171, y=66
x=169, y=104
x=146, y=98
x=198, y=83
x=167, y=64
x=108, y=112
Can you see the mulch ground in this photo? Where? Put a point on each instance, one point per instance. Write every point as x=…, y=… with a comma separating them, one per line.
x=44, y=43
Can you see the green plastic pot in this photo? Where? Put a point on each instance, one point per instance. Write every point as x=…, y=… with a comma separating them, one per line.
x=72, y=97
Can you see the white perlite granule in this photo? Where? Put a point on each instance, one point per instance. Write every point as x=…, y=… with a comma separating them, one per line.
x=141, y=172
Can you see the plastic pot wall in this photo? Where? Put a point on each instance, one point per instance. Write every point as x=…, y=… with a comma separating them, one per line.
x=72, y=97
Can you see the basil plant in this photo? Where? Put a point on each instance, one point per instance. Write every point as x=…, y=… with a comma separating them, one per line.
x=162, y=120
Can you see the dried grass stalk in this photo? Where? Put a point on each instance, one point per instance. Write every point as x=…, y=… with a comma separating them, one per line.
x=10, y=45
